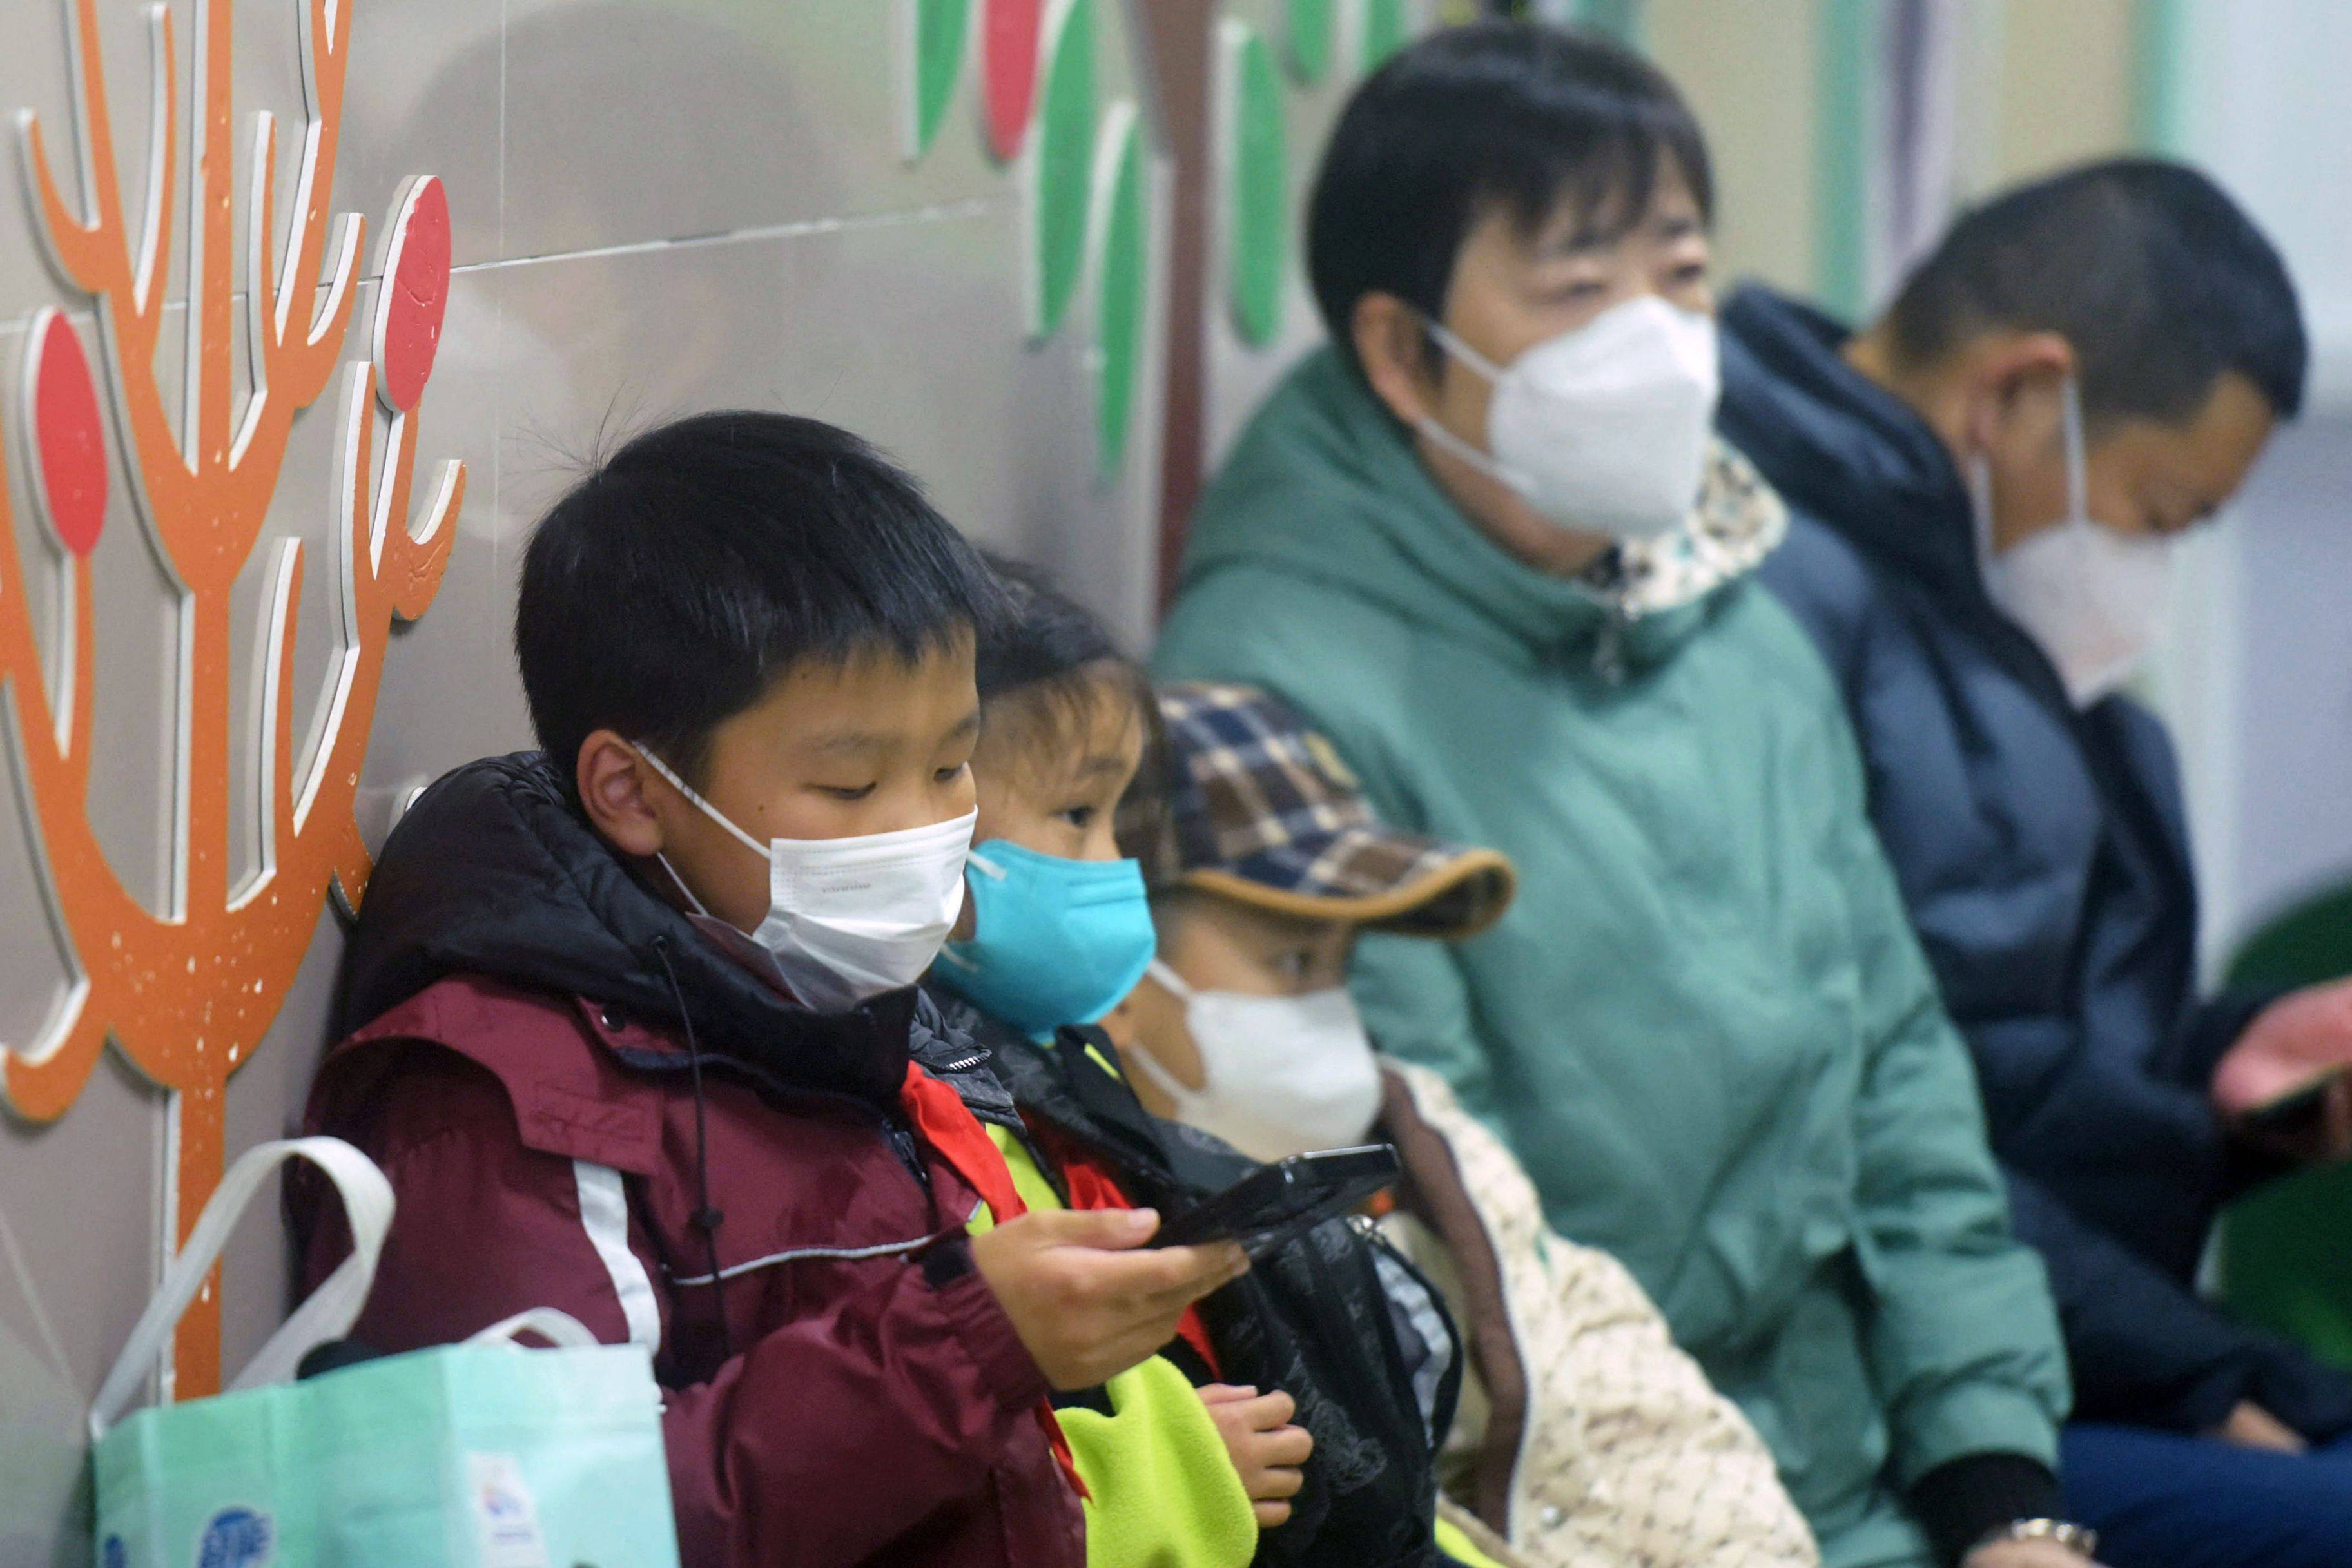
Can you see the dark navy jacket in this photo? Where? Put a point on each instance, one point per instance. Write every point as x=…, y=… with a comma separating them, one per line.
x=2045, y=858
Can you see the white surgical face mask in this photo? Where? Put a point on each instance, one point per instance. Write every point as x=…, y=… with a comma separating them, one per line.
x=1604, y=429
x=2094, y=598
x=848, y=918
x=1281, y=1075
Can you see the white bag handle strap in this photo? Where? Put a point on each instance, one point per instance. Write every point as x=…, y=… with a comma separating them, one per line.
x=560, y=1329
x=329, y=1313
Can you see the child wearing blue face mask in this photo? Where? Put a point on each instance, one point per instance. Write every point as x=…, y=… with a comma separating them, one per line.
x=1191, y=1454
x=1056, y=932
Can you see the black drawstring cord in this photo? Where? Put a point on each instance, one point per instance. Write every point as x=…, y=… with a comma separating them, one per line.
x=705, y=1217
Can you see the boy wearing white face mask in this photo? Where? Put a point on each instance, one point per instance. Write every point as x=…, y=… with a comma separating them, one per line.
x=630, y=1024
x=1583, y=1435
x=1485, y=563
x=1991, y=483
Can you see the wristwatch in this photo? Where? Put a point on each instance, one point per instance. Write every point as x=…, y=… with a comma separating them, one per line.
x=2057, y=1531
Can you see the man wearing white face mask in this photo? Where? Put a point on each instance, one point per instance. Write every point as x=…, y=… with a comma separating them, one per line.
x=1990, y=482
x=1581, y=1434
x=1484, y=544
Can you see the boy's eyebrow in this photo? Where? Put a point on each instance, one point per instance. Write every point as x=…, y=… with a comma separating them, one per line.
x=841, y=740
x=1100, y=763
x=851, y=740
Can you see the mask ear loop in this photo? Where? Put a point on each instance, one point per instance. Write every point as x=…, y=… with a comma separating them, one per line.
x=1176, y=986
x=973, y=860
x=694, y=905
x=705, y=807
x=1484, y=461
x=1446, y=339
x=2070, y=427
x=1979, y=483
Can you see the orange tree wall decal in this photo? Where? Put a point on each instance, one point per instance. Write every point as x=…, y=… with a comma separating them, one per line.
x=187, y=992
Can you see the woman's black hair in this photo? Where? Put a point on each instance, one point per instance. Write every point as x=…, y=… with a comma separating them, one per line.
x=1514, y=114
x=1044, y=664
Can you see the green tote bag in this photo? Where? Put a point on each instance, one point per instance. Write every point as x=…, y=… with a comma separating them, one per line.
x=480, y=1455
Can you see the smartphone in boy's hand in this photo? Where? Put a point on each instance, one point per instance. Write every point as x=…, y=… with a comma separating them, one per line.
x=1279, y=1200
x=1086, y=1296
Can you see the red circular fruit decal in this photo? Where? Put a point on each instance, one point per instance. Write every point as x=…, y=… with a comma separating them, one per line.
x=69, y=434
x=1008, y=76
x=413, y=295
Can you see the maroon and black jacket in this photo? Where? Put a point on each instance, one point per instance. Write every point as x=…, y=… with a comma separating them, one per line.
x=841, y=1385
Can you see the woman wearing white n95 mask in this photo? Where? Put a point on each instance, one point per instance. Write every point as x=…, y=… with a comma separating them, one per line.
x=1584, y=376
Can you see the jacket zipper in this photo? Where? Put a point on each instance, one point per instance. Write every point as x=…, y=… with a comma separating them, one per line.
x=1609, y=647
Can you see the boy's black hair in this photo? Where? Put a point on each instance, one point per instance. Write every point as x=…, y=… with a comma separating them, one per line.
x=1047, y=651
x=671, y=587
x=2157, y=278
x=1511, y=113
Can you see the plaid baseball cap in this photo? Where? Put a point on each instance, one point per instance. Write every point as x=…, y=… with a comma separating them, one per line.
x=1262, y=810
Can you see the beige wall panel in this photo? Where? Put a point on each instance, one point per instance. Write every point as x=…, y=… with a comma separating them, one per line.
x=1747, y=67
x=1238, y=373
x=658, y=207
x=2066, y=84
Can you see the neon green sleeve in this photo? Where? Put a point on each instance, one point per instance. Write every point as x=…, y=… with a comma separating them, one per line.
x=1456, y=1547
x=1165, y=1494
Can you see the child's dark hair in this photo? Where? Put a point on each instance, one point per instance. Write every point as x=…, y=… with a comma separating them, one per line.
x=2159, y=280
x=1048, y=651
x=1514, y=114
x=671, y=587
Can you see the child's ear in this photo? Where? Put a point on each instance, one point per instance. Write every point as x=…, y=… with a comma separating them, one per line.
x=613, y=779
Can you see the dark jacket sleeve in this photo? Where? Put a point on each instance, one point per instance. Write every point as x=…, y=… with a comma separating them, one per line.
x=2149, y=1350
x=820, y=1444
x=2208, y=1032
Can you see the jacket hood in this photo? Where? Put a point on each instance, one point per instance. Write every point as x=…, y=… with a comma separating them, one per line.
x=492, y=873
x=1326, y=486
x=1838, y=445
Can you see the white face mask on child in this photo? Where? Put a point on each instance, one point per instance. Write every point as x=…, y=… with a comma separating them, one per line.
x=1280, y=1075
x=849, y=918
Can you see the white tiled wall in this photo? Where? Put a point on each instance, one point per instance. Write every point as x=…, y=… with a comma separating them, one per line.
x=658, y=207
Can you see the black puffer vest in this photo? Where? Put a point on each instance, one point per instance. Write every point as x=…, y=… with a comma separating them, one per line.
x=1334, y=1317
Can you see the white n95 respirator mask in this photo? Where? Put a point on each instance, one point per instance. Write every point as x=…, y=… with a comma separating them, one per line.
x=2095, y=600
x=1604, y=429
x=1280, y=1075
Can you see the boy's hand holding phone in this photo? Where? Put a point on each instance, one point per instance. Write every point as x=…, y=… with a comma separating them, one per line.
x=1086, y=1302
x=1266, y=1448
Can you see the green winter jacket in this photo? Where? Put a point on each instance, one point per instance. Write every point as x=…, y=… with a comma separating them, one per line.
x=1706, y=1026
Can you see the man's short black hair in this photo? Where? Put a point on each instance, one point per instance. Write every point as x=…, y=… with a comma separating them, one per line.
x=2157, y=278
x=670, y=588
x=1514, y=114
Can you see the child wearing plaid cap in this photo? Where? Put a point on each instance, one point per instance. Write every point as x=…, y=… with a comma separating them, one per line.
x=1582, y=1434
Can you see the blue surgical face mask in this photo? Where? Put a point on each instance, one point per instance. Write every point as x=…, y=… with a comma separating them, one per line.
x=1054, y=941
